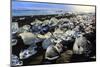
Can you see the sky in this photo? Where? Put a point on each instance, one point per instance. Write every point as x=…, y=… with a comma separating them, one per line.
x=22, y=5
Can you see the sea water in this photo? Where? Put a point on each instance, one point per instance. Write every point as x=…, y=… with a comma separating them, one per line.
x=33, y=12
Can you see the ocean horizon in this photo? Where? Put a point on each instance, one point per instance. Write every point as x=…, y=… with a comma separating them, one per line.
x=35, y=12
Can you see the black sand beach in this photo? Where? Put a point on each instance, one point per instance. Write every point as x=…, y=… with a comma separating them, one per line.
x=66, y=57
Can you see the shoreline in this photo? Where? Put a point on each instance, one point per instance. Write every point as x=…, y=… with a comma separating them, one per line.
x=22, y=20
